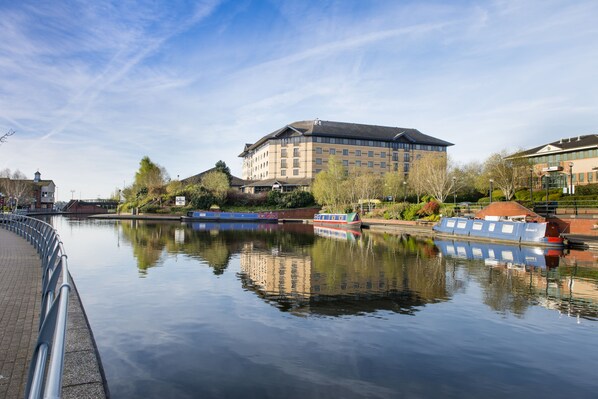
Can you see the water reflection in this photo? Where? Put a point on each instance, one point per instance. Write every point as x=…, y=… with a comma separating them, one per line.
x=520, y=277
x=320, y=271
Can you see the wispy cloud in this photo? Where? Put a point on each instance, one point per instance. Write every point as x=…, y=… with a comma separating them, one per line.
x=104, y=84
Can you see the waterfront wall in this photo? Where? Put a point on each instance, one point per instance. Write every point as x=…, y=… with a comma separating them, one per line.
x=580, y=224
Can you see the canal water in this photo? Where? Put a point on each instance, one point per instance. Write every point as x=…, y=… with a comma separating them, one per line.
x=272, y=311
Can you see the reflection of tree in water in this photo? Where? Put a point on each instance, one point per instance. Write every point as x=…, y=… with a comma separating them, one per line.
x=335, y=277
x=148, y=241
x=214, y=247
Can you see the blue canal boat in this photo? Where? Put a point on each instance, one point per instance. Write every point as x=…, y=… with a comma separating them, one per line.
x=211, y=216
x=542, y=234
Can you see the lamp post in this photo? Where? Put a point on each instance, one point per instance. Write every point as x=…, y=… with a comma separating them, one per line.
x=404, y=191
x=491, y=182
x=454, y=193
x=571, y=178
x=547, y=181
x=531, y=184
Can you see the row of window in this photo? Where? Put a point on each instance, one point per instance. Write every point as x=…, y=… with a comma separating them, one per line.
x=367, y=143
x=569, y=156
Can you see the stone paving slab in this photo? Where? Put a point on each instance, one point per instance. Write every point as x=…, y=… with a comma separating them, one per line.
x=20, y=302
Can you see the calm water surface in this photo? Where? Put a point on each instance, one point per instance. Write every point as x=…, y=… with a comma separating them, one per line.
x=205, y=311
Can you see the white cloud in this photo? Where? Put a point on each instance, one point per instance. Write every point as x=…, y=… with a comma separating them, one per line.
x=100, y=86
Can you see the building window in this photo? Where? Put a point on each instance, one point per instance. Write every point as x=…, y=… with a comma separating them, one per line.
x=295, y=172
x=357, y=163
x=318, y=170
x=295, y=163
x=590, y=177
x=383, y=165
x=383, y=154
x=370, y=164
x=345, y=152
x=406, y=167
x=581, y=177
x=370, y=153
x=395, y=156
x=357, y=153
x=283, y=153
x=318, y=150
x=345, y=163
x=296, y=152
x=318, y=161
x=332, y=151
x=283, y=172
x=283, y=163
x=395, y=167
x=406, y=157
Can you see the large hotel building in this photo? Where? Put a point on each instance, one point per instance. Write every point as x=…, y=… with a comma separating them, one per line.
x=291, y=156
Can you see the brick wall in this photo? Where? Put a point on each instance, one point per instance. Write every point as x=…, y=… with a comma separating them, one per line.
x=576, y=225
x=300, y=213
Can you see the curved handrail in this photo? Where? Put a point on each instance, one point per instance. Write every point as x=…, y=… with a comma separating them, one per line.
x=45, y=376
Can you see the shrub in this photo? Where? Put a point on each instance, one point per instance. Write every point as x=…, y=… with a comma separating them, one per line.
x=395, y=211
x=589, y=189
x=411, y=213
x=429, y=208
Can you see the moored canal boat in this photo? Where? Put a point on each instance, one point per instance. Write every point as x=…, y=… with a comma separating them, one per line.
x=211, y=216
x=342, y=220
x=535, y=233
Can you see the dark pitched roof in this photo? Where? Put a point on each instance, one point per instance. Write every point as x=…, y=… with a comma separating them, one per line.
x=291, y=181
x=195, y=179
x=562, y=145
x=351, y=131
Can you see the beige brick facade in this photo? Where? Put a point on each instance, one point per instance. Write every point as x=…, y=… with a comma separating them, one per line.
x=302, y=149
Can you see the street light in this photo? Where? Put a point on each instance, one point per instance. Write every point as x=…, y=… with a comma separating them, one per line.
x=404, y=191
x=571, y=178
x=454, y=193
x=491, y=181
x=531, y=183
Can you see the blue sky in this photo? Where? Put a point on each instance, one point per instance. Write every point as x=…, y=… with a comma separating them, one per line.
x=92, y=87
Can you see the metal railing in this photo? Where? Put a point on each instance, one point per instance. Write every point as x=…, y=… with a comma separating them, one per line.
x=47, y=363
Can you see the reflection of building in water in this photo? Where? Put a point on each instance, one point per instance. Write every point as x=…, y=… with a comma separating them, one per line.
x=569, y=294
x=528, y=276
x=335, y=278
x=277, y=274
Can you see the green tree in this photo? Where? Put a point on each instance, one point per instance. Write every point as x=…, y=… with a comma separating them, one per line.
x=217, y=184
x=221, y=167
x=329, y=188
x=150, y=177
x=394, y=183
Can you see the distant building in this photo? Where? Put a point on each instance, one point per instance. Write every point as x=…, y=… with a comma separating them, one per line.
x=565, y=163
x=291, y=156
x=196, y=179
x=31, y=194
x=43, y=193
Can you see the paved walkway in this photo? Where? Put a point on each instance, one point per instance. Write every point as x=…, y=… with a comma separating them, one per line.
x=20, y=302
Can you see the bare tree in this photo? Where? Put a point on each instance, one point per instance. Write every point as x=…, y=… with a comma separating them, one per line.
x=15, y=186
x=506, y=173
x=434, y=174
x=6, y=135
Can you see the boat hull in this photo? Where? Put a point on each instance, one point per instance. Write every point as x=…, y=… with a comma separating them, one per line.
x=338, y=220
x=230, y=217
x=542, y=234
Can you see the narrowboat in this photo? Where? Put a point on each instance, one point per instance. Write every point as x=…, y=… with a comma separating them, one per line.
x=527, y=233
x=343, y=220
x=336, y=233
x=494, y=254
x=211, y=216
